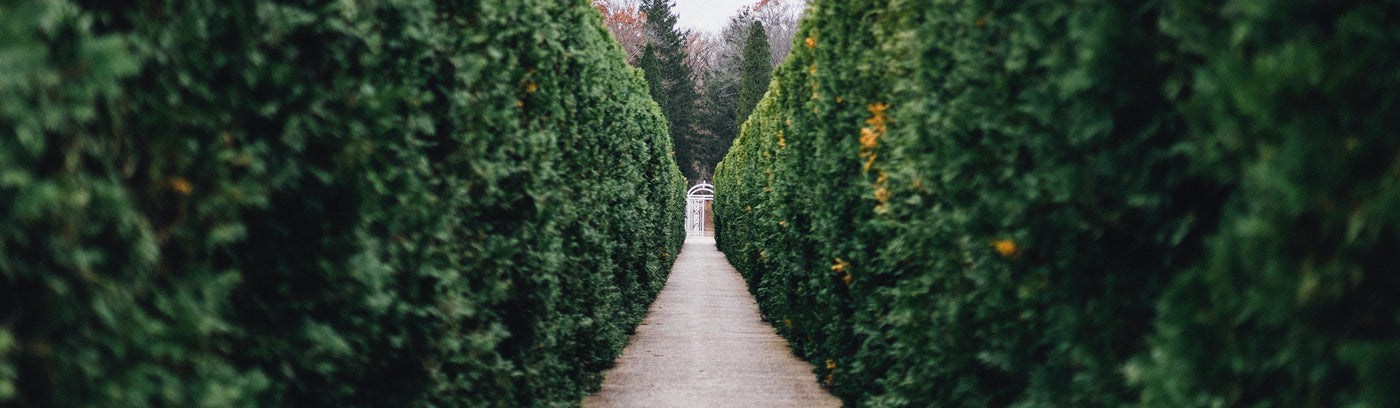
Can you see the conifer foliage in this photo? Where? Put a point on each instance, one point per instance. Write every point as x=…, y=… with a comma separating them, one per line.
x=755, y=73
x=718, y=59
x=1182, y=203
x=272, y=203
x=670, y=78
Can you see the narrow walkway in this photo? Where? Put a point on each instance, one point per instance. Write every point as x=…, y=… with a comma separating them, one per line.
x=703, y=345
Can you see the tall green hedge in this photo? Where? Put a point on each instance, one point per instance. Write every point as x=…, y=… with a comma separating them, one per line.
x=1164, y=203
x=321, y=203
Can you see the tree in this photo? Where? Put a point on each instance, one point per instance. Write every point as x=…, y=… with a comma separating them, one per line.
x=671, y=82
x=651, y=70
x=625, y=20
x=779, y=19
x=703, y=54
x=755, y=72
x=716, y=59
x=715, y=118
x=703, y=122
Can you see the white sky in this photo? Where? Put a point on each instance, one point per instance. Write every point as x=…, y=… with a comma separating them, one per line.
x=707, y=15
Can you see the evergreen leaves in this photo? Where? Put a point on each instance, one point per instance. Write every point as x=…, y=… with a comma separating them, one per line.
x=755, y=72
x=264, y=203
x=671, y=83
x=1159, y=204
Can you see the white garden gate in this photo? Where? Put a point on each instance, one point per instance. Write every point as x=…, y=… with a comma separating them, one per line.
x=695, y=200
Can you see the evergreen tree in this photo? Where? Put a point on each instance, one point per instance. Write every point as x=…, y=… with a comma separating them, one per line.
x=719, y=91
x=714, y=117
x=755, y=72
x=650, y=70
x=672, y=85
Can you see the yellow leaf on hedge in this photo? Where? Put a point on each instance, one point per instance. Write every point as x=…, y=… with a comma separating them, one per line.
x=182, y=186
x=1006, y=248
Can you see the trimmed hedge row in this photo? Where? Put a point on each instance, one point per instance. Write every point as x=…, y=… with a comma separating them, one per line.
x=1165, y=203
x=278, y=203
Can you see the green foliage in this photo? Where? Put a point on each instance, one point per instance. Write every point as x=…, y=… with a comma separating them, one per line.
x=719, y=77
x=1293, y=303
x=405, y=203
x=755, y=72
x=715, y=126
x=976, y=203
x=795, y=192
x=671, y=82
x=651, y=70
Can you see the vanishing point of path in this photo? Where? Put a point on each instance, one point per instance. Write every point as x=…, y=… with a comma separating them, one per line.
x=703, y=345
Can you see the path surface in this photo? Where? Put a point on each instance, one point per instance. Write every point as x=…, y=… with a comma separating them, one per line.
x=704, y=346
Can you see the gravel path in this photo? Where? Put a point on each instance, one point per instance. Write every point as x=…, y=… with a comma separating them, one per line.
x=703, y=345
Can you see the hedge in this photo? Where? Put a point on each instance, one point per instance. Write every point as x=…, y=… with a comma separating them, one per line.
x=294, y=203
x=1166, y=203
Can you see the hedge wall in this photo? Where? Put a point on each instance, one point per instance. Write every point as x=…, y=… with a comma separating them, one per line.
x=322, y=203
x=1165, y=203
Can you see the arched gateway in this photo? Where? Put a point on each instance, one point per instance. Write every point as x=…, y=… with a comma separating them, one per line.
x=695, y=200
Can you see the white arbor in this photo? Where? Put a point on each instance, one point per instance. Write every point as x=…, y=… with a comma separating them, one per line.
x=695, y=200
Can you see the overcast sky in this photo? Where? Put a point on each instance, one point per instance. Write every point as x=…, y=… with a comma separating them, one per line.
x=707, y=15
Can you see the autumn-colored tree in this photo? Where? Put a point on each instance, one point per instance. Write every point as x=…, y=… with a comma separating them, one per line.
x=703, y=51
x=624, y=18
